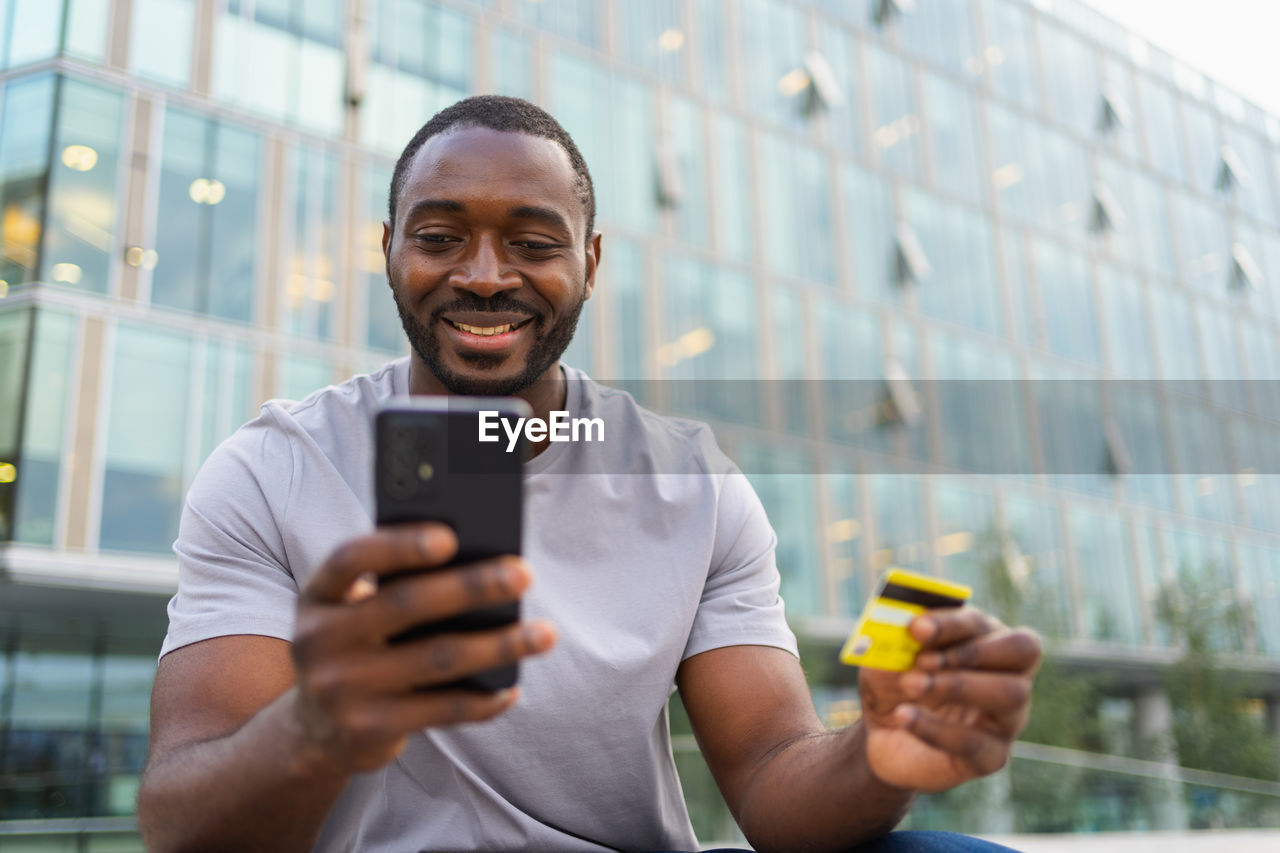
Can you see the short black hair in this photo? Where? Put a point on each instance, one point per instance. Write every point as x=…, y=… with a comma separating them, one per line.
x=501, y=113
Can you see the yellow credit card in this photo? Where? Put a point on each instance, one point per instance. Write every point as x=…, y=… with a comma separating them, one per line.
x=881, y=639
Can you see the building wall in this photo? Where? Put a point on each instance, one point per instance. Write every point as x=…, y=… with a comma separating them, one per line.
x=192, y=196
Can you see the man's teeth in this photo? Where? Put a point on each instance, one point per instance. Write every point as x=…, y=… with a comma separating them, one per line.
x=484, y=331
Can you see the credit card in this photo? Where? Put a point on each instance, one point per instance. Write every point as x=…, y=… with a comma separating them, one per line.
x=881, y=639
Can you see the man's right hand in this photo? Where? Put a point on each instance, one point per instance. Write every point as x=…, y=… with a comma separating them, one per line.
x=358, y=695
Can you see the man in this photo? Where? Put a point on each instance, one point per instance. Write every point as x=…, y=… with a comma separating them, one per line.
x=283, y=720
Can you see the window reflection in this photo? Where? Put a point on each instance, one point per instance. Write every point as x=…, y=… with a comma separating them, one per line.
x=15, y=327
x=957, y=151
x=45, y=427
x=623, y=275
x=1108, y=599
x=732, y=177
x=80, y=241
x=942, y=32
x=160, y=44
x=577, y=20
x=284, y=59
x=652, y=33
x=299, y=374
x=1036, y=565
x=963, y=288
x=382, y=327
x=512, y=57
x=895, y=115
x=782, y=477
x=1071, y=78
x=796, y=192
x=25, y=124
x=146, y=439
x=843, y=534
x=772, y=34
x=313, y=287
x=34, y=30
x=686, y=140
x=208, y=189
x=1068, y=308
x=897, y=512
x=1008, y=57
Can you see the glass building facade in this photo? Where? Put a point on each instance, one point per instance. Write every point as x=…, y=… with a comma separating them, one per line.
x=817, y=214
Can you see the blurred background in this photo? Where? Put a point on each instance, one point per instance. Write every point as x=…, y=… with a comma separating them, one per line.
x=868, y=203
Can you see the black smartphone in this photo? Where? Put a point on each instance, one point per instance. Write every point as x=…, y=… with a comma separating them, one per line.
x=431, y=465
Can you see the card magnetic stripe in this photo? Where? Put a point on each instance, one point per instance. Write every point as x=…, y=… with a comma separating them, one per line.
x=920, y=597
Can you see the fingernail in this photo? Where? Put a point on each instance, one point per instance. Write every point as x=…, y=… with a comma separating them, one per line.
x=365, y=586
x=926, y=628
x=915, y=684
x=539, y=634
x=508, y=696
x=906, y=714
x=929, y=660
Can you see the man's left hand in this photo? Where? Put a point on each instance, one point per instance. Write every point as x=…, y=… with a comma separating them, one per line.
x=954, y=716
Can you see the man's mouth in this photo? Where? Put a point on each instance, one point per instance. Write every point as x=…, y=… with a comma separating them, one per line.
x=486, y=331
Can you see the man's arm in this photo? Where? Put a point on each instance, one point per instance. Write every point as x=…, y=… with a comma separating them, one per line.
x=791, y=784
x=253, y=739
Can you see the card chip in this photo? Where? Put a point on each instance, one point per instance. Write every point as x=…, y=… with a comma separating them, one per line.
x=880, y=640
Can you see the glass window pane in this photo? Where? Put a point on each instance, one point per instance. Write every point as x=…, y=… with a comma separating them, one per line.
x=1071, y=77
x=1107, y=585
x=146, y=440
x=843, y=535
x=797, y=192
x=712, y=34
x=962, y=287
x=733, y=181
x=25, y=124
x=623, y=275
x=512, y=57
x=942, y=31
x=1202, y=243
x=382, y=330
x=312, y=289
x=1068, y=307
x=782, y=478
x=1159, y=112
x=126, y=693
x=35, y=30
x=578, y=20
x=968, y=540
x=897, y=510
x=652, y=36
x=895, y=117
x=1175, y=334
x=160, y=43
x=1204, y=147
x=953, y=125
x=298, y=375
x=15, y=327
x=88, y=26
x=687, y=141
x=1034, y=527
x=1008, y=55
x=1128, y=338
x=843, y=119
x=178, y=278
x=774, y=82
x=228, y=390
x=45, y=428
x=80, y=241
x=48, y=730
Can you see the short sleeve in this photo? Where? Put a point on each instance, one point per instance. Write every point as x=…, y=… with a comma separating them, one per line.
x=232, y=575
x=740, y=603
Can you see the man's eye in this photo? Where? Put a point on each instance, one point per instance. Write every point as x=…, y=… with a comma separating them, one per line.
x=537, y=246
x=434, y=239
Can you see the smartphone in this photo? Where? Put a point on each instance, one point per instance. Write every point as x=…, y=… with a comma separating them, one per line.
x=430, y=465
x=880, y=640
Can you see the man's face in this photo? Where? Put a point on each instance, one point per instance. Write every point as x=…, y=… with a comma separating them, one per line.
x=488, y=259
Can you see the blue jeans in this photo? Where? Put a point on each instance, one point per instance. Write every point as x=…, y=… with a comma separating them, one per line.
x=916, y=841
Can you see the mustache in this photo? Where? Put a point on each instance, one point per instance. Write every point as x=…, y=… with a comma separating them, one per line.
x=499, y=302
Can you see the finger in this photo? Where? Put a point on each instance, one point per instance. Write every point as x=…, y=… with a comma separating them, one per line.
x=383, y=552
x=943, y=627
x=1005, y=650
x=405, y=602
x=445, y=658
x=992, y=693
x=979, y=751
x=416, y=711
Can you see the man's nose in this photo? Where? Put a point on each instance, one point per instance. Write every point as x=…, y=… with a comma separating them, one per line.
x=483, y=272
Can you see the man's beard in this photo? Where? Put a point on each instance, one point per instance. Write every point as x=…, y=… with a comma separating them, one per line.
x=548, y=345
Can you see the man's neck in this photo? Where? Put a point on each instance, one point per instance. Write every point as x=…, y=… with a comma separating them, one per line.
x=549, y=393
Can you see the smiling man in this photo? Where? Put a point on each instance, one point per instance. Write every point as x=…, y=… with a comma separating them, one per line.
x=284, y=719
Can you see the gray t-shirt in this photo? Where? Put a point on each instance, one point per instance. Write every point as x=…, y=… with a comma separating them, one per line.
x=647, y=548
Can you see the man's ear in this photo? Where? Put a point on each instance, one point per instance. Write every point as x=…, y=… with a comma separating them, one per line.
x=386, y=247
x=593, y=263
